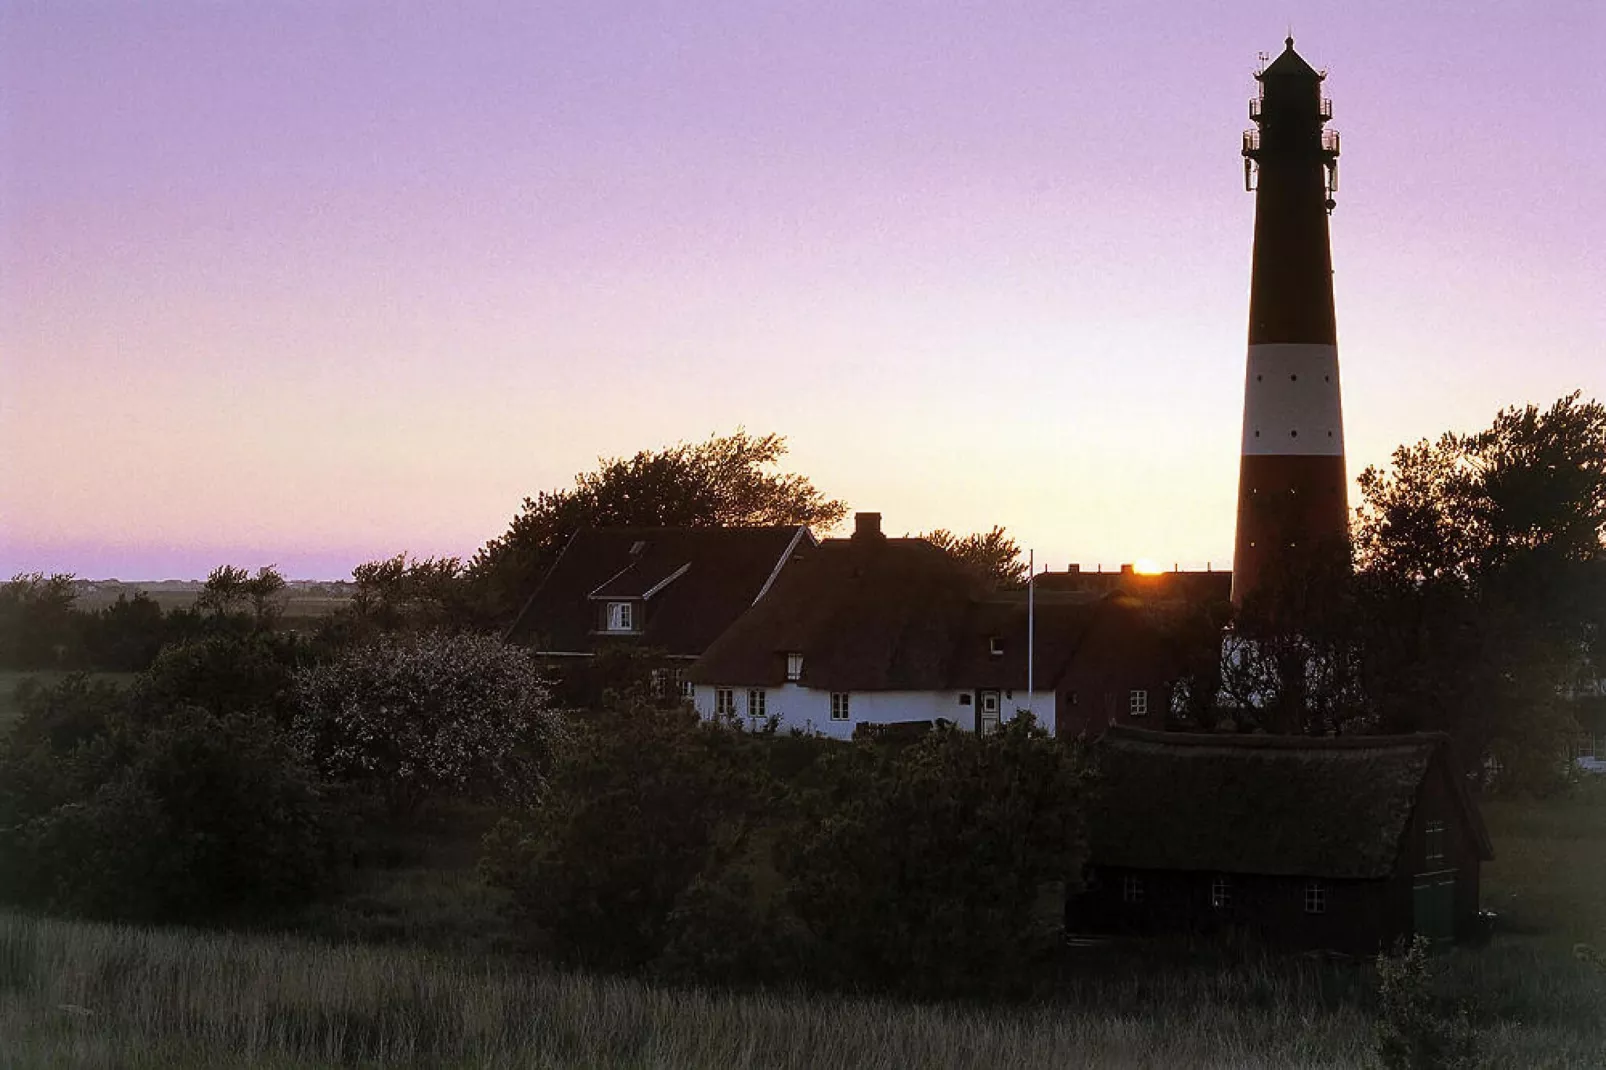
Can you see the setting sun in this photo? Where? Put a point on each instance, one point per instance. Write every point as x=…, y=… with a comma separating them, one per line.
x=1147, y=567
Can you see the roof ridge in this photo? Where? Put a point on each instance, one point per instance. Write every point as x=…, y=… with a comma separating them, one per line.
x=1270, y=741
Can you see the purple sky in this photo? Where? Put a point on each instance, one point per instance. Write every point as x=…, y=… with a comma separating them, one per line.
x=316, y=283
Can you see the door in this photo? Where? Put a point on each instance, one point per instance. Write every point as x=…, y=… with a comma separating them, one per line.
x=1433, y=907
x=986, y=712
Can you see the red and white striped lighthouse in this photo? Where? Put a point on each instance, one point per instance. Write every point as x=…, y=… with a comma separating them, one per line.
x=1291, y=482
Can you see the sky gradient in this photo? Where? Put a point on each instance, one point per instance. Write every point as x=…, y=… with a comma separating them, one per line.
x=312, y=284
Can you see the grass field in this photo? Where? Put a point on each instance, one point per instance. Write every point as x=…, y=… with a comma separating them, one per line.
x=75, y=994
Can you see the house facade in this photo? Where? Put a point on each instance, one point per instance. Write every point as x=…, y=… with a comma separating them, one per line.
x=1349, y=843
x=877, y=631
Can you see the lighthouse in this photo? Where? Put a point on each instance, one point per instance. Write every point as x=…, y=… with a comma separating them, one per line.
x=1291, y=483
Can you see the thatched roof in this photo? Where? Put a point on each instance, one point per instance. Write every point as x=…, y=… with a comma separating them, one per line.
x=693, y=581
x=879, y=614
x=868, y=614
x=1273, y=805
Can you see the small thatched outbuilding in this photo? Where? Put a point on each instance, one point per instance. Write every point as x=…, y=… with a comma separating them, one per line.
x=1348, y=843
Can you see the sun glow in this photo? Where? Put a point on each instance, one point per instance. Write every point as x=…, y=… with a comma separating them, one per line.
x=1147, y=567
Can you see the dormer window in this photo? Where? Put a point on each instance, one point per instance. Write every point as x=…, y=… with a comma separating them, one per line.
x=794, y=666
x=621, y=617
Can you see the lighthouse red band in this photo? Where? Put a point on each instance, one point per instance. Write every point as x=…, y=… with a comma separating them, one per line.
x=1292, y=508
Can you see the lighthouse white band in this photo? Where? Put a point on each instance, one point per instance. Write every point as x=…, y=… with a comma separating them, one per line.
x=1291, y=401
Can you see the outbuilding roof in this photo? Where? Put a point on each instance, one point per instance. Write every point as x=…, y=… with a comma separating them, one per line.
x=1272, y=805
x=694, y=581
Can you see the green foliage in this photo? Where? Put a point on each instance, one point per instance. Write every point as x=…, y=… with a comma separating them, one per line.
x=183, y=817
x=125, y=636
x=407, y=718
x=1482, y=583
x=224, y=672
x=926, y=868
x=231, y=591
x=38, y=628
x=725, y=481
x=705, y=852
x=993, y=555
x=1413, y=1031
x=403, y=593
x=642, y=803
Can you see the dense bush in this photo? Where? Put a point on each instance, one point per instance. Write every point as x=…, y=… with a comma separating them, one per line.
x=644, y=802
x=224, y=672
x=408, y=718
x=186, y=816
x=940, y=867
x=706, y=852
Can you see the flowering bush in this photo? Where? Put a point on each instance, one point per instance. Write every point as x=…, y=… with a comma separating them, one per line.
x=411, y=717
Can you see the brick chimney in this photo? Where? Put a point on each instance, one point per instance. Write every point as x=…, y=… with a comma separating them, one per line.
x=867, y=527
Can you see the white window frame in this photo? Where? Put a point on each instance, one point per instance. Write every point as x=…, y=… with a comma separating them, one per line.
x=688, y=690
x=1131, y=889
x=756, y=704
x=1137, y=703
x=621, y=617
x=841, y=709
x=1221, y=892
x=794, y=666
x=724, y=702
x=1315, y=898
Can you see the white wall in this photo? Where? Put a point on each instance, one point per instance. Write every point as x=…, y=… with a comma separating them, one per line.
x=810, y=710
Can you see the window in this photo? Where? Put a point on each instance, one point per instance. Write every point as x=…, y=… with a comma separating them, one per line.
x=1434, y=848
x=1131, y=889
x=1221, y=893
x=1137, y=704
x=620, y=617
x=995, y=646
x=688, y=689
x=724, y=702
x=1315, y=898
x=794, y=666
x=755, y=705
x=839, y=705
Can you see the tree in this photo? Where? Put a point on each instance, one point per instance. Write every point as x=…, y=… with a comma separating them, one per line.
x=725, y=481
x=402, y=593
x=231, y=591
x=993, y=555
x=38, y=627
x=1482, y=580
x=407, y=718
x=183, y=816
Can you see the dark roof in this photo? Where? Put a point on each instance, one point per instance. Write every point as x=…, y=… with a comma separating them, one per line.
x=1275, y=805
x=868, y=614
x=1061, y=624
x=1290, y=64
x=695, y=581
x=899, y=614
x=1190, y=587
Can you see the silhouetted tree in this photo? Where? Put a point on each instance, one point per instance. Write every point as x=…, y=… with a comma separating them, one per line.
x=725, y=481
x=38, y=628
x=992, y=555
x=1482, y=579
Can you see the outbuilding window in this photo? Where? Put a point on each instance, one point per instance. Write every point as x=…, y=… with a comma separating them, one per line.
x=1131, y=889
x=724, y=702
x=1221, y=893
x=839, y=706
x=1137, y=704
x=1315, y=898
x=1434, y=847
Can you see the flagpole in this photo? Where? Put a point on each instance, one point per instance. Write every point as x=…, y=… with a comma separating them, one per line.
x=1031, y=629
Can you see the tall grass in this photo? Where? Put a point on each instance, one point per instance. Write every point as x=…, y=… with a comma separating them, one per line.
x=75, y=994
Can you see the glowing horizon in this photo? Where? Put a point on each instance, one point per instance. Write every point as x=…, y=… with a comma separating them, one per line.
x=315, y=286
